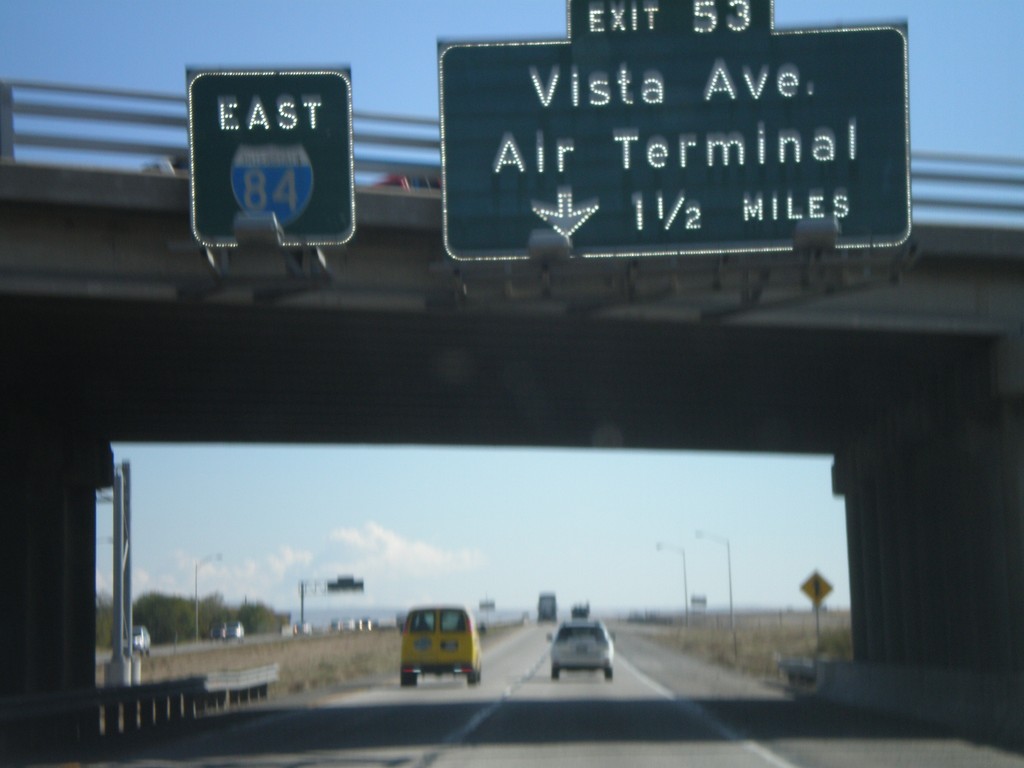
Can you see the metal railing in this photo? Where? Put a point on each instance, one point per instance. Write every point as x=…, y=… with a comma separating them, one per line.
x=74, y=125
x=59, y=720
x=124, y=129
x=968, y=185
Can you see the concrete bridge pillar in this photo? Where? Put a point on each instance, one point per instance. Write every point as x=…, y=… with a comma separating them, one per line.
x=48, y=476
x=935, y=524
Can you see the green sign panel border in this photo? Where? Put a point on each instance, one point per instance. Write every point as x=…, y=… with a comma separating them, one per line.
x=896, y=237
x=290, y=238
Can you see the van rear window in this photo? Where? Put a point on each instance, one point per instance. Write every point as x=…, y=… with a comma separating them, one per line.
x=422, y=621
x=453, y=621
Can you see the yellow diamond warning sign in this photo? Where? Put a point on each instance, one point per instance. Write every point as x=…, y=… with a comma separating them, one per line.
x=817, y=588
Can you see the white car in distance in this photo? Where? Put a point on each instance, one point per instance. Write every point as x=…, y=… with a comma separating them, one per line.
x=140, y=640
x=582, y=645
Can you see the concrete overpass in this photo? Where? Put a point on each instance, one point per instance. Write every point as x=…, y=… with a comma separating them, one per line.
x=907, y=366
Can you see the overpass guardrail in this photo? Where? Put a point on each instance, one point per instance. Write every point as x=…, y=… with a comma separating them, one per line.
x=126, y=129
x=95, y=715
x=137, y=130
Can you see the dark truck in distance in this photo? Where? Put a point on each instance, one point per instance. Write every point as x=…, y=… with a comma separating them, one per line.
x=581, y=611
x=547, y=607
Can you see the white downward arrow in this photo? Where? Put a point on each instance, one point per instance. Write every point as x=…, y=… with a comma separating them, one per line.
x=564, y=218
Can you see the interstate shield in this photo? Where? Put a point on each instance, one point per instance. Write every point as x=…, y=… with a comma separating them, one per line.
x=272, y=179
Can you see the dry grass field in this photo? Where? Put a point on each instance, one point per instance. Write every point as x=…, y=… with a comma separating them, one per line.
x=760, y=639
x=308, y=663
x=304, y=663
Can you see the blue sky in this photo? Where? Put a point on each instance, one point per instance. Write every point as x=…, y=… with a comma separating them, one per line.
x=459, y=524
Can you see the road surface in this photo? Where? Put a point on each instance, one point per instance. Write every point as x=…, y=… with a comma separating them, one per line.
x=660, y=710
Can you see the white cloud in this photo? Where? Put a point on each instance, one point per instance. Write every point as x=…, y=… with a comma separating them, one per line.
x=267, y=578
x=286, y=557
x=382, y=550
x=141, y=581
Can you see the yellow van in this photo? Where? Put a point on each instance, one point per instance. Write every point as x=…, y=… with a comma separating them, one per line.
x=440, y=640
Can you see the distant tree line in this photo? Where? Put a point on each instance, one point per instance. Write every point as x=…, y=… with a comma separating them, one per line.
x=172, y=618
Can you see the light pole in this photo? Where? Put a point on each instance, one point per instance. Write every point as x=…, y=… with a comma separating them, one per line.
x=203, y=561
x=686, y=589
x=728, y=560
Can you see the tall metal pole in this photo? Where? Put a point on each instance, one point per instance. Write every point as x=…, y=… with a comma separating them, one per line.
x=197, y=600
x=126, y=504
x=117, y=630
x=686, y=588
x=728, y=560
x=732, y=614
x=119, y=670
x=202, y=561
x=121, y=632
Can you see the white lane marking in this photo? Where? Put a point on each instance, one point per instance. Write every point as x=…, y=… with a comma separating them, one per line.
x=766, y=754
x=697, y=712
x=458, y=736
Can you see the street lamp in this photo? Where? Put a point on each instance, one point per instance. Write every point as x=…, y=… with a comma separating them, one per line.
x=203, y=561
x=728, y=560
x=686, y=589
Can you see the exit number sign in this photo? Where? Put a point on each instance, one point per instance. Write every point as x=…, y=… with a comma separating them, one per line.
x=272, y=143
x=675, y=127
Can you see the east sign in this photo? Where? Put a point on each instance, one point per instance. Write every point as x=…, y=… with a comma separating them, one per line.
x=272, y=142
x=675, y=127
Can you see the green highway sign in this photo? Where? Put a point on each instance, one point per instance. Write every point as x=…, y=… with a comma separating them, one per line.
x=272, y=146
x=675, y=127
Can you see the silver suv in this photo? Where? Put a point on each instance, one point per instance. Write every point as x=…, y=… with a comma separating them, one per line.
x=583, y=645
